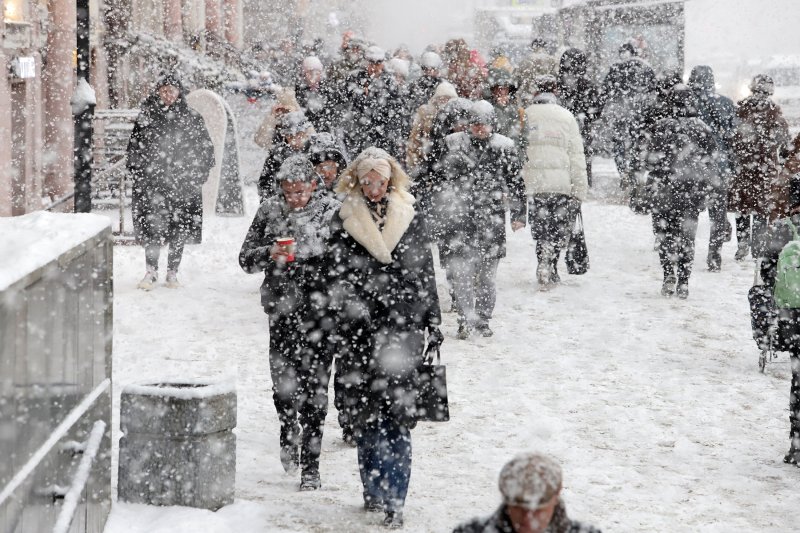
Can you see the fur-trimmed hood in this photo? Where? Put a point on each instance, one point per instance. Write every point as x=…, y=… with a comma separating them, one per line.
x=357, y=221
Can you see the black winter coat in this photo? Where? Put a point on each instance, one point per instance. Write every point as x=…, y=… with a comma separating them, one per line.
x=287, y=287
x=682, y=161
x=420, y=91
x=377, y=114
x=468, y=205
x=500, y=522
x=170, y=155
x=317, y=105
x=280, y=152
x=719, y=114
x=385, y=306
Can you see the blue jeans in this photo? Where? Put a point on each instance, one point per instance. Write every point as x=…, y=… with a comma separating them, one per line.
x=384, y=461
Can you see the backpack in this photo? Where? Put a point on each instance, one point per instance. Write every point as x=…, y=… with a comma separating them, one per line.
x=787, y=280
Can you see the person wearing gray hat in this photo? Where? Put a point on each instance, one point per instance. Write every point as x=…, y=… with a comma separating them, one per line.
x=293, y=132
x=480, y=169
x=421, y=90
x=530, y=485
x=287, y=242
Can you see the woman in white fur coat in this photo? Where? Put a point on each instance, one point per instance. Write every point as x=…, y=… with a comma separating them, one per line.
x=384, y=286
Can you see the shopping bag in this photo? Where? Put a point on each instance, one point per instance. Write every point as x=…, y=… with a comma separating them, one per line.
x=432, y=403
x=577, y=256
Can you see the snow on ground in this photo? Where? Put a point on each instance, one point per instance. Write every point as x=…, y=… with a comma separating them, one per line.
x=655, y=407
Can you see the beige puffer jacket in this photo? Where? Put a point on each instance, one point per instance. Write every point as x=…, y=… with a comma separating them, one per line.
x=556, y=163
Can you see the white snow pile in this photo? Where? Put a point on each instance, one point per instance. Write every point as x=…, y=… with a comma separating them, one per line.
x=31, y=241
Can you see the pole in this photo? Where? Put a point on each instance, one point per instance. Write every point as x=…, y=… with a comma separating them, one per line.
x=83, y=119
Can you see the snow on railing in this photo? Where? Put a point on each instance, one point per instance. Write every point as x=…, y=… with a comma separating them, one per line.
x=73, y=496
x=55, y=436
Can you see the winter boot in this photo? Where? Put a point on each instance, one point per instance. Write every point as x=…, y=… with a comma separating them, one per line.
x=792, y=457
x=714, y=260
x=290, y=458
x=373, y=506
x=668, y=287
x=463, y=331
x=347, y=436
x=172, y=280
x=393, y=520
x=310, y=480
x=544, y=270
x=149, y=280
x=742, y=251
x=682, y=290
x=484, y=329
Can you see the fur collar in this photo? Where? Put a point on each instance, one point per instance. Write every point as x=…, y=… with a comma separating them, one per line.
x=357, y=221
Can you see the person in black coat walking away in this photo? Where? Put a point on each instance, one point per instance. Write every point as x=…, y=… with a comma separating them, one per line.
x=719, y=114
x=530, y=485
x=481, y=170
x=682, y=162
x=170, y=155
x=293, y=132
x=300, y=355
x=580, y=96
x=384, y=286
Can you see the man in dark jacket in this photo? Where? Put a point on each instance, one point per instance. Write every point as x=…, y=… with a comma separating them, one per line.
x=625, y=94
x=293, y=131
x=169, y=158
x=376, y=108
x=580, y=95
x=719, y=114
x=682, y=162
x=481, y=169
x=531, y=488
x=299, y=353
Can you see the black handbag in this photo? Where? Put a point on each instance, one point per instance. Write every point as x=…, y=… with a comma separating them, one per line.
x=432, y=405
x=577, y=256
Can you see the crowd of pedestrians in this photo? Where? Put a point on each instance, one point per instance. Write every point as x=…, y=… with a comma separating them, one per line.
x=373, y=160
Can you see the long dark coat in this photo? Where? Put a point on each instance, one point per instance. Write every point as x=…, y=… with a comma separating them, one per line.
x=170, y=155
x=682, y=160
x=387, y=297
x=761, y=133
x=480, y=178
x=377, y=113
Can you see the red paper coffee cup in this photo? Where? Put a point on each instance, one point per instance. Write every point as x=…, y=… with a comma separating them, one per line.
x=288, y=244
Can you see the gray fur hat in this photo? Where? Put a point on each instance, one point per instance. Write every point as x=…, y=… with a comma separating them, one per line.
x=482, y=112
x=530, y=480
x=296, y=168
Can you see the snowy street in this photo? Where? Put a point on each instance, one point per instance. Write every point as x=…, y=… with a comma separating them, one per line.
x=655, y=408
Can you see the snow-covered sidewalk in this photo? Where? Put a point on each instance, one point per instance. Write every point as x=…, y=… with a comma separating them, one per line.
x=655, y=407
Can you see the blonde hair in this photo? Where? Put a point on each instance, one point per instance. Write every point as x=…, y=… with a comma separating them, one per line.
x=348, y=180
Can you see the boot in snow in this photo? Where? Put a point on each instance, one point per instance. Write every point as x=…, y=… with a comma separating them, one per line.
x=373, y=506
x=714, y=260
x=149, y=280
x=484, y=330
x=742, y=251
x=544, y=270
x=792, y=457
x=172, y=280
x=463, y=332
x=682, y=290
x=668, y=287
x=393, y=520
x=347, y=436
x=310, y=481
x=290, y=458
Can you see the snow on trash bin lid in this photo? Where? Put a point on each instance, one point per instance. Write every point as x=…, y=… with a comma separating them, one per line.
x=184, y=389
